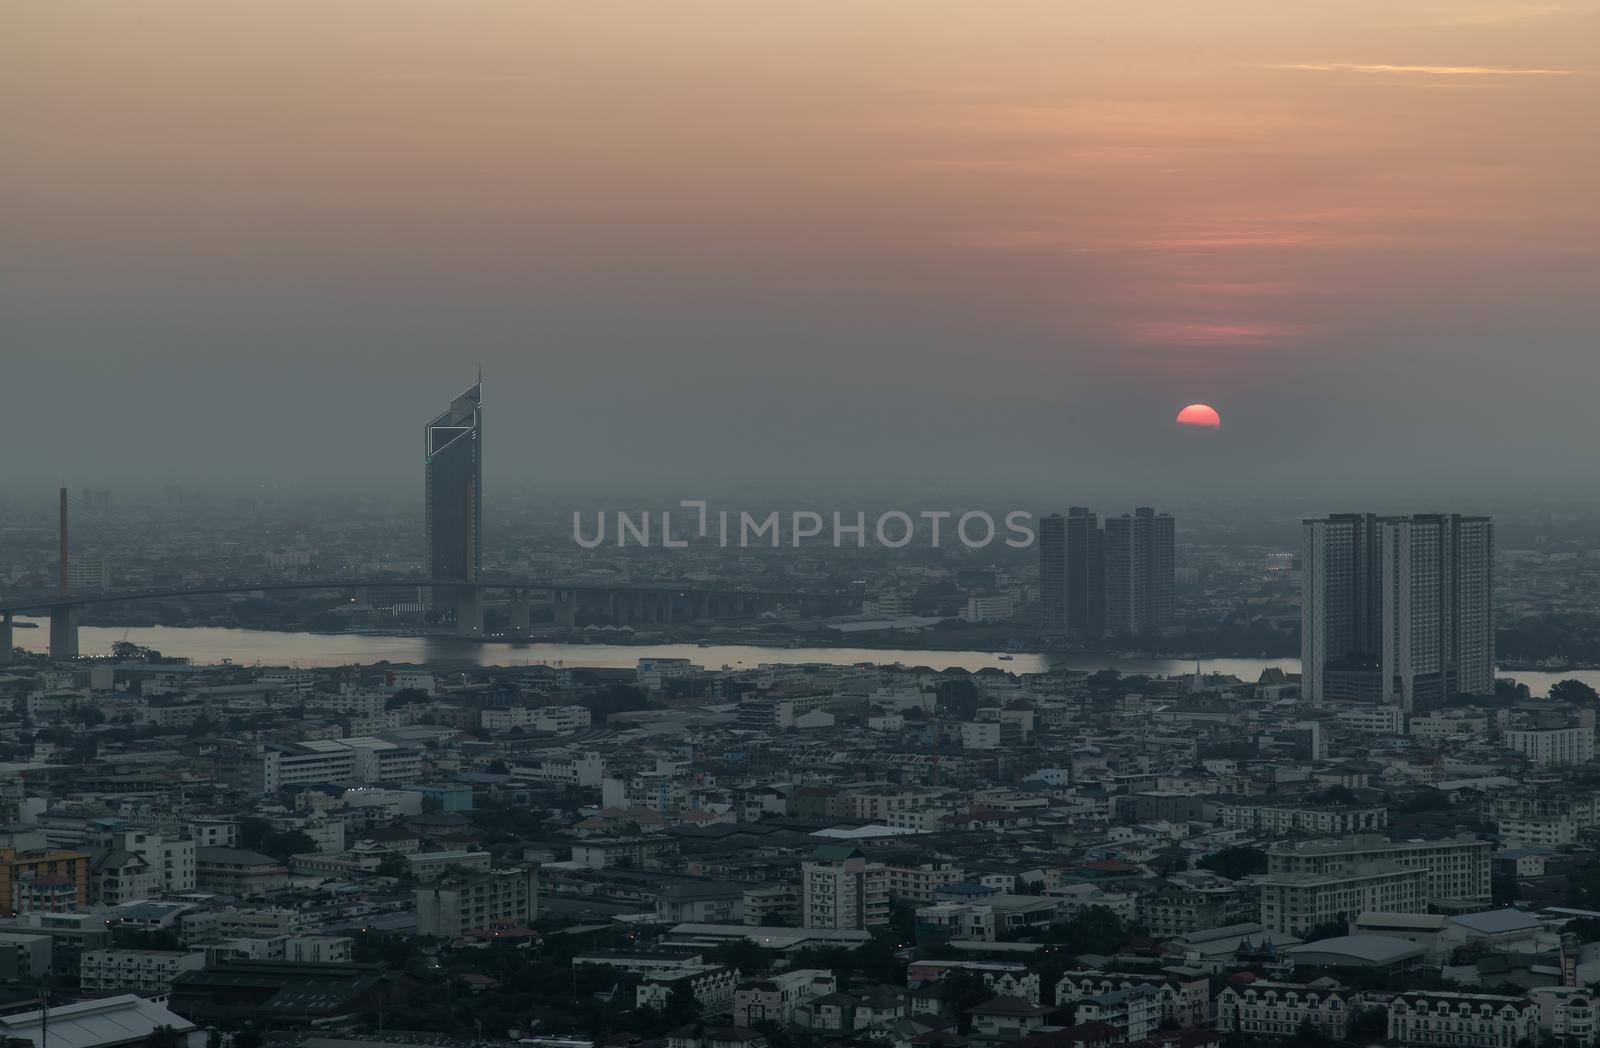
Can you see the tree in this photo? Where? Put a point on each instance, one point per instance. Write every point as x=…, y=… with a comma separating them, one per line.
x=1510, y=691
x=1575, y=692
x=146, y=939
x=1504, y=890
x=499, y=767
x=1587, y=929
x=1233, y=863
x=162, y=1037
x=252, y=830
x=1371, y=1023
x=1583, y=886
x=1094, y=929
x=394, y=865
x=258, y=835
x=962, y=989
x=1308, y=1037
x=619, y=698
x=681, y=1008
x=405, y=697
x=960, y=696
x=88, y=716
x=1170, y=862
x=744, y=955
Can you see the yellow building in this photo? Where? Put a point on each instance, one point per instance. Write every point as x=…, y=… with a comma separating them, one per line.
x=18, y=866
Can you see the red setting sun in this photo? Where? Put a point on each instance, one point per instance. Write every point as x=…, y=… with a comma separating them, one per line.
x=1203, y=416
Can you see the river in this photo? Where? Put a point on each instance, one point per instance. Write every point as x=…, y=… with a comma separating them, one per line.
x=210, y=644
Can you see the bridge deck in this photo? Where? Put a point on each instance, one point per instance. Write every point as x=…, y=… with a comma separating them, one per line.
x=53, y=601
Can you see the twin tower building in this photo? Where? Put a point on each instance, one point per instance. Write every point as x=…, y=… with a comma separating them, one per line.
x=1097, y=580
x=1397, y=610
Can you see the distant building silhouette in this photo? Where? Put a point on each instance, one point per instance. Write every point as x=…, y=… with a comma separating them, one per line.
x=453, y=468
x=1118, y=579
x=1139, y=569
x=1086, y=575
x=1053, y=574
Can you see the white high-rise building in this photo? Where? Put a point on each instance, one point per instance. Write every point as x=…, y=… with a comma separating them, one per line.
x=1552, y=746
x=1397, y=609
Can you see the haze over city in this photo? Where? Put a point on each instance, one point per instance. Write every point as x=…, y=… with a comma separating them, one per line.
x=805, y=247
x=838, y=524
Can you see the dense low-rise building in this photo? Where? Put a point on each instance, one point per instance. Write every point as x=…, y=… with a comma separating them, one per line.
x=1462, y=1020
x=499, y=898
x=48, y=879
x=238, y=871
x=150, y=971
x=1456, y=867
x=710, y=985
x=774, y=998
x=1283, y=1010
x=1183, y=997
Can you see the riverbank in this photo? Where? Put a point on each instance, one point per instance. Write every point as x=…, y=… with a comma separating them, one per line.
x=214, y=644
x=997, y=641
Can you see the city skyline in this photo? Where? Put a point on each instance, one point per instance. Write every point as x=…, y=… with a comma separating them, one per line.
x=1008, y=525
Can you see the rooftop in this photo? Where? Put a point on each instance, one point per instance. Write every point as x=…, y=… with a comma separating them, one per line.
x=1356, y=950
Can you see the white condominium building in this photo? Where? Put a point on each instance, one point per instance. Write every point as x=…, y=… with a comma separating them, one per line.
x=1457, y=867
x=1551, y=746
x=1295, y=903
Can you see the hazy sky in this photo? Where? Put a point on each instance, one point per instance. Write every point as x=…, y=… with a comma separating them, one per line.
x=986, y=244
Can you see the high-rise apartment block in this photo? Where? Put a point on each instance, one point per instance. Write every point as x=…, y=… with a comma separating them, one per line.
x=1397, y=609
x=840, y=888
x=1086, y=574
x=1115, y=579
x=1053, y=574
x=1138, y=571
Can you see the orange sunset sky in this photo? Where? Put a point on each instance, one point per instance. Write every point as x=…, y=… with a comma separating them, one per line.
x=940, y=239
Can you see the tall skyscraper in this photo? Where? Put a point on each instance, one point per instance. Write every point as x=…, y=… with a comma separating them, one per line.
x=1086, y=575
x=1072, y=589
x=1139, y=566
x=1398, y=610
x=1053, y=574
x=453, y=448
x=1341, y=611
